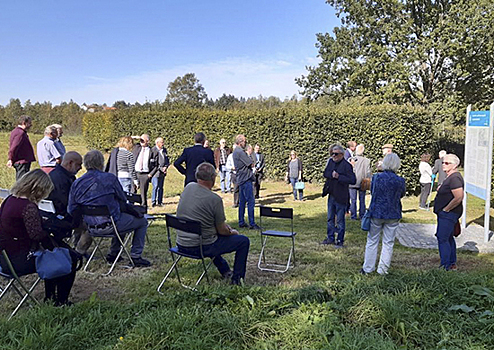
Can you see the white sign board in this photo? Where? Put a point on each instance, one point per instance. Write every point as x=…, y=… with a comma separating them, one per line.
x=478, y=159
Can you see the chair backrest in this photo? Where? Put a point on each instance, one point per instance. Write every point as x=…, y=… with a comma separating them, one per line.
x=95, y=210
x=46, y=205
x=133, y=198
x=183, y=224
x=4, y=193
x=283, y=213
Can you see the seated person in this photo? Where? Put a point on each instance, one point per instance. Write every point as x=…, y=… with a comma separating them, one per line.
x=21, y=233
x=99, y=188
x=199, y=203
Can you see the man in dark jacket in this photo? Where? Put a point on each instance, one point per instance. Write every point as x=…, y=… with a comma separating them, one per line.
x=158, y=174
x=438, y=168
x=192, y=157
x=339, y=175
x=145, y=164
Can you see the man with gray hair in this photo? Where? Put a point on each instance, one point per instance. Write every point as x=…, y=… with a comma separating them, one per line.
x=221, y=154
x=438, y=168
x=339, y=175
x=362, y=170
x=99, y=188
x=48, y=154
x=58, y=142
x=199, y=203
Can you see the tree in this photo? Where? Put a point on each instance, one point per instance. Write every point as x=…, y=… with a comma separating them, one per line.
x=226, y=102
x=186, y=90
x=423, y=52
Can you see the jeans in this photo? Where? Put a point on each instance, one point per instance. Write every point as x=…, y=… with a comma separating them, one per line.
x=223, y=245
x=338, y=210
x=126, y=183
x=246, y=197
x=224, y=179
x=388, y=227
x=127, y=223
x=293, y=181
x=158, y=188
x=425, y=189
x=445, y=240
x=353, y=203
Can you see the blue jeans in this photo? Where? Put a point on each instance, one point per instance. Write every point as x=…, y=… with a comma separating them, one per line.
x=353, y=203
x=338, y=210
x=224, y=179
x=223, y=245
x=127, y=223
x=293, y=181
x=158, y=187
x=246, y=192
x=445, y=239
x=126, y=183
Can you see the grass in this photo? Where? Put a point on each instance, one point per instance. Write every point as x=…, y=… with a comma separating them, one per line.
x=323, y=303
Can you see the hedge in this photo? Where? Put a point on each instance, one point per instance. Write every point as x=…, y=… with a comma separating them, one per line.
x=307, y=129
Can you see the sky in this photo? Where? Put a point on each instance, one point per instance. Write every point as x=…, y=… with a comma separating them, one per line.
x=106, y=50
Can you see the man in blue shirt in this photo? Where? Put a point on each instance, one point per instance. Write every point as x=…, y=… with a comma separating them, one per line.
x=99, y=188
x=58, y=142
x=48, y=154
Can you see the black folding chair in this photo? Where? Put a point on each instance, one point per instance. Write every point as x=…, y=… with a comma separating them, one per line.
x=102, y=210
x=189, y=226
x=13, y=279
x=278, y=213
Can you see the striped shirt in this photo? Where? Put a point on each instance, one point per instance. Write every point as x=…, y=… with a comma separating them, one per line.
x=126, y=164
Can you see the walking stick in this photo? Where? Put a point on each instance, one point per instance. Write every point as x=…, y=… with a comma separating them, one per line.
x=433, y=177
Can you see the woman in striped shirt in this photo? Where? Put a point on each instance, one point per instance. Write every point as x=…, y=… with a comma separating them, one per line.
x=126, y=164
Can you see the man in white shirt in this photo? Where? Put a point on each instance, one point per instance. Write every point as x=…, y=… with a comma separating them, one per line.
x=144, y=165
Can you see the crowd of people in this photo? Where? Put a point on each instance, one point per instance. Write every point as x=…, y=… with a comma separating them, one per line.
x=132, y=167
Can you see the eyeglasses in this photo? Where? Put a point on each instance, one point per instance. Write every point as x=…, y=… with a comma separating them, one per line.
x=447, y=163
x=336, y=153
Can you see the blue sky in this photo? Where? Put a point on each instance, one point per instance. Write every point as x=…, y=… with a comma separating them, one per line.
x=104, y=51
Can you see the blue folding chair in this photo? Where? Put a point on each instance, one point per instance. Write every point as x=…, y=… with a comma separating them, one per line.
x=190, y=226
x=277, y=213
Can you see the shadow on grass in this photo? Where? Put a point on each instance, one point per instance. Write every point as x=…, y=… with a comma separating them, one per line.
x=480, y=221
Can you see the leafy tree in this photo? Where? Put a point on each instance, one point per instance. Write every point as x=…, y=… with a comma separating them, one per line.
x=186, y=90
x=226, y=102
x=432, y=53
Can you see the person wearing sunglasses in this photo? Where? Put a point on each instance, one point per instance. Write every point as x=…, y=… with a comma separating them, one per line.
x=339, y=175
x=448, y=208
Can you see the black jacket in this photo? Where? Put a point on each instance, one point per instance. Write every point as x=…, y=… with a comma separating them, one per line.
x=152, y=161
x=338, y=188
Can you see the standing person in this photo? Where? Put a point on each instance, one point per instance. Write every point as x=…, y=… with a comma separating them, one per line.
x=294, y=174
x=386, y=149
x=385, y=210
x=230, y=167
x=243, y=166
x=350, y=149
x=425, y=180
x=21, y=230
x=21, y=153
x=144, y=166
x=122, y=164
x=362, y=170
x=259, y=170
x=48, y=154
x=160, y=155
x=448, y=207
x=339, y=175
x=58, y=142
x=221, y=154
x=438, y=168
x=192, y=157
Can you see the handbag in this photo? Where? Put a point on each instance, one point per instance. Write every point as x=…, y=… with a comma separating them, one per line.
x=300, y=185
x=365, y=184
x=457, y=229
x=365, y=224
x=53, y=263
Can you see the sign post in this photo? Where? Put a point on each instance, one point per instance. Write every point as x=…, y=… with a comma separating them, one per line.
x=478, y=160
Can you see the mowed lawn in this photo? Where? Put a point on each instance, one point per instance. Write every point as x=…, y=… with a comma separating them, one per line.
x=322, y=303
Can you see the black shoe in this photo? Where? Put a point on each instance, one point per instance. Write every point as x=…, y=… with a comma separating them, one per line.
x=362, y=272
x=141, y=262
x=243, y=225
x=254, y=227
x=234, y=206
x=327, y=241
x=227, y=276
x=339, y=245
x=153, y=205
x=111, y=258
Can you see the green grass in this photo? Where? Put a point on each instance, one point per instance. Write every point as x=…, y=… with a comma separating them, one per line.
x=323, y=303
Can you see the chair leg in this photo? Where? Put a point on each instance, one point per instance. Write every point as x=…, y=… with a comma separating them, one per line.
x=92, y=254
x=4, y=291
x=262, y=258
x=293, y=249
x=206, y=268
x=27, y=295
x=175, y=262
x=122, y=249
x=262, y=261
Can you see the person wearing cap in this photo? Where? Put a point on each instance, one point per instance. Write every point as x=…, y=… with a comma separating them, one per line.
x=387, y=149
x=350, y=149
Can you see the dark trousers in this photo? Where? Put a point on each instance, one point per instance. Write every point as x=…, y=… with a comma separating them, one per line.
x=21, y=169
x=246, y=199
x=144, y=180
x=257, y=184
x=337, y=210
x=445, y=239
x=424, y=193
x=235, y=189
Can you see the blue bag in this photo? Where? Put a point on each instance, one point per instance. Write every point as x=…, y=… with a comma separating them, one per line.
x=53, y=263
x=299, y=185
x=365, y=225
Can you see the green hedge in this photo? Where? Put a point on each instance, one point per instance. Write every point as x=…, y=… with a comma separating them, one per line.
x=307, y=129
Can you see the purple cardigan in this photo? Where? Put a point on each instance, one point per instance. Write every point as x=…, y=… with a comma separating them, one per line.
x=20, y=150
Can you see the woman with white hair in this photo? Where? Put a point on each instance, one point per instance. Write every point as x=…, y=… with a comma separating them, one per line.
x=387, y=189
x=362, y=170
x=448, y=208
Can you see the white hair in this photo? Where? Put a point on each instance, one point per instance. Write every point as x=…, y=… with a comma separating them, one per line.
x=442, y=153
x=359, y=150
x=391, y=162
x=452, y=158
x=94, y=160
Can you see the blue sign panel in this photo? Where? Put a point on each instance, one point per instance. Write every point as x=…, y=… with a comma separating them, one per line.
x=479, y=118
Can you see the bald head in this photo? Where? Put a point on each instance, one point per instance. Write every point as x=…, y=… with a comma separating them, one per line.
x=72, y=162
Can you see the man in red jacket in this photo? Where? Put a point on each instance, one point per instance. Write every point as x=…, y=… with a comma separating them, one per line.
x=21, y=153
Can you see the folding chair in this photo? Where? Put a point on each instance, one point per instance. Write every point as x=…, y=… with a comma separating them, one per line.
x=279, y=213
x=190, y=227
x=13, y=278
x=46, y=205
x=102, y=210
